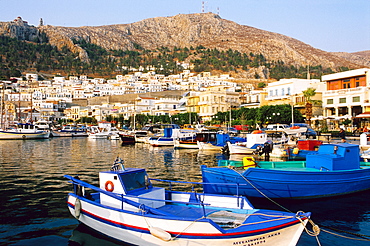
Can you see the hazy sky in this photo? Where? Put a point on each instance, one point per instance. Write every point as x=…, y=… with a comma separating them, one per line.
x=330, y=25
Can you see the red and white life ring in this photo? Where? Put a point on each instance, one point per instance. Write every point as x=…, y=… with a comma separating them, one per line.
x=109, y=186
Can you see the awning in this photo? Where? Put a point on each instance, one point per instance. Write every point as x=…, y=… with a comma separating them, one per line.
x=318, y=118
x=363, y=115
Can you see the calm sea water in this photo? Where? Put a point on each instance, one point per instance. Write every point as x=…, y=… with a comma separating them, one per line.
x=33, y=208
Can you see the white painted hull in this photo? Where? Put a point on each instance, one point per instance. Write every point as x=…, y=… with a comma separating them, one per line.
x=98, y=135
x=278, y=152
x=133, y=228
x=162, y=141
x=180, y=145
x=208, y=146
x=292, y=131
x=239, y=149
x=114, y=137
x=68, y=134
x=8, y=135
x=142, y=139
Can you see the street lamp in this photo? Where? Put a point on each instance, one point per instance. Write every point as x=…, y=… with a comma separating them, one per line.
x=275, y=114
x=292, y=105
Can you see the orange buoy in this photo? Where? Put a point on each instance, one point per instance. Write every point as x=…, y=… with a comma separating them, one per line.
x=256, y=132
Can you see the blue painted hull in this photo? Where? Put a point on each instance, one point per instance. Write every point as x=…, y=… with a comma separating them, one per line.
x=302, y=183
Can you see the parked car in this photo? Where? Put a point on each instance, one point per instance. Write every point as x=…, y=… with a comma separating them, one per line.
x=310, y=133
x=274, y=128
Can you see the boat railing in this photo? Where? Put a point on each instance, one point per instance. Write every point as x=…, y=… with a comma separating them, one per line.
x=170, y=183
x=78, y=184
x=183, y=183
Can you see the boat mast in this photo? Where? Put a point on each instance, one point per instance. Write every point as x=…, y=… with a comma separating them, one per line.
x=31, y=108
x=2, y=105
x=292, y=110
x=134, y=128
x=19, y=106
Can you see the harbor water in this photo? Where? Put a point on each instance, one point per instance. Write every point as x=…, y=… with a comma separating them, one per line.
x=33, y=209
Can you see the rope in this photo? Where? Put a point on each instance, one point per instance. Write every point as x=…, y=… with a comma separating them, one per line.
x=355, y=234
x=281, y=217
x=173, y=238
x=263, y=194
x=315, y=227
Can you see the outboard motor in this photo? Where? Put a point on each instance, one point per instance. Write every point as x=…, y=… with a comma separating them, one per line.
x=267, y=149
x=225, y=150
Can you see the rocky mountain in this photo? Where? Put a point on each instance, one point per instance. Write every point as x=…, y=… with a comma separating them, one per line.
x=362, y=57
x=186, y=30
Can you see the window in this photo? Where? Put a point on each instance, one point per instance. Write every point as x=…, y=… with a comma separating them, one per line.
x=346, y=84
x=355, y=99
x=276, y=92
x=342, y=100
x=283, y=92
x=288, y=91
x=330, y=101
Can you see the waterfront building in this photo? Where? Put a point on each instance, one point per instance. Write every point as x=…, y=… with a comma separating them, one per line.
x=167, y=106
x=217, y=99
x=347, y=93
x=192, y=102
x=290, y=91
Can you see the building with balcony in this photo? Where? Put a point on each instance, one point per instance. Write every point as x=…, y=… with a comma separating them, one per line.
x=347, y=93
x=290, y=91
x=217, y=99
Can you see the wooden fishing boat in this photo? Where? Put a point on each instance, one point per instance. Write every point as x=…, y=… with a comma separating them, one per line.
x=127, y=207
x=334, y=170
x=23, y=131
x=69, y=131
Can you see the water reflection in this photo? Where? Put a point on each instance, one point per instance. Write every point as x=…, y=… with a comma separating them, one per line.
x=33, y=190
x=84, y=236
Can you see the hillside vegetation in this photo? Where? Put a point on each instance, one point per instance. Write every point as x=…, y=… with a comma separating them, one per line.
x=205, y=40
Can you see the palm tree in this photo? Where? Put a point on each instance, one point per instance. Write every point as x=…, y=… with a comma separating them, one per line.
x=310, y=92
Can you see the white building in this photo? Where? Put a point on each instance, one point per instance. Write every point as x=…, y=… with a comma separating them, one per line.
x=347, y=94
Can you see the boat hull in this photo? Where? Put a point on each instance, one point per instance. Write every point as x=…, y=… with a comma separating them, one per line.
x=285, y=184
x=162, y=141
x=4, y=135
x=239, y=149
x=98, y=135
x=127, y=139
x=185, y=144
x=133, y=228
x=208, y=146
x=68, y=134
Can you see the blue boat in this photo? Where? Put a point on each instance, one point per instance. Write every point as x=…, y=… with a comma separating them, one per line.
x=334, y=170
x=127, y=207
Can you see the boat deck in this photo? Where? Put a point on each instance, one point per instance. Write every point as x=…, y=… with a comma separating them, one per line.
x=186, y=211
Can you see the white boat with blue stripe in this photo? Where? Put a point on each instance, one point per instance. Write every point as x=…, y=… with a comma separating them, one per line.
x=127, y=207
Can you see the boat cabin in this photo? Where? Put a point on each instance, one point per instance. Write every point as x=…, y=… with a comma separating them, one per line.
x=334, y=157
x=131, y=181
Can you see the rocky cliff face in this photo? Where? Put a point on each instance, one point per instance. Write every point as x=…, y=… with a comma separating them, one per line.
x=206, y=29
x=362, y=57
x=19, y=29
